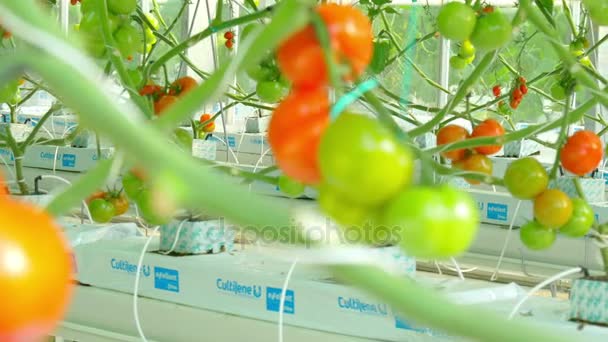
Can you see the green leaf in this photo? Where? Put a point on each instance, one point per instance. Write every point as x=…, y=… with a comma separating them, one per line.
x=381, y=2
x=391, y=10
x=364, y=2
x=545, y=5
x=83, y=187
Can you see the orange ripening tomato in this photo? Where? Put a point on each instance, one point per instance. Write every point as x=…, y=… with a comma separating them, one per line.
x=488, y=128
x=450, y=134
x=120, y=203
x=582, y=153
x=35, y=272
x=164, y=103
x=210, y=127
x=301, y=57
x=295, y=131
x=96, y=195
x=182, y=86
x=151, y=90
x=475, y=163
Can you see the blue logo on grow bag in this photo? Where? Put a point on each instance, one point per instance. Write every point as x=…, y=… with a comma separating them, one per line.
x=356, y=304
x=235, y=288
x=400, y=323
x=497, y=211
x=127, y=267
x=231, y=141
x=68, y=160
x=7, y=153
x=480, y=205
x=273, y=300
x=166, y=279
x=605, y=176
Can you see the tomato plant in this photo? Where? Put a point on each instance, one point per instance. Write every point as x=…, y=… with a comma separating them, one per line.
x=433, y=222
x=581, y=221
x=122, y=6
x=488, y=128
x=526, y=178
x=535, y=236
x=301, y=57
x=295, y=130
x=358, y=150
x=451, y=134
x=456, y=21
x=35, y=272
x=582, y=153
x=552, y=208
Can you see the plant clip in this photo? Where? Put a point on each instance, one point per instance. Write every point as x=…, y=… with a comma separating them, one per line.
x=351, y=97
x=36, y=185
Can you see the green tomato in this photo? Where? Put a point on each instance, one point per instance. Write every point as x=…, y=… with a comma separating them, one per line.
x=458, y=62
x=536, y=236
x=340, y=209
x=598, y=11
x=128, y=40
x=290, y=187
x=558, y=92
x=270, y=91
x=153, y=21
x=361, y=159
x=122, y=6
x=493, y=30
x=526, y=178
x=87, y=6
x=466, y=49
x=149, y=37
x=145, y=204
x=470, y=60
x=433, y=222
x=260, y=73
x=90, y=24
x=95, y=48
x=581, y=221
x=9, y=91
x=576, y=45
x=102, y=211
x=456, y=21
x=132, y=185
x=577, y=53
x=183, y=138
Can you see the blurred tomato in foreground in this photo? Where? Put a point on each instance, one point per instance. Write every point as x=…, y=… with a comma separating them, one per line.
x=35, y=272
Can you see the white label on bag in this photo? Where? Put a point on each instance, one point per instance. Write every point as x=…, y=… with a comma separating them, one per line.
x=205, y=149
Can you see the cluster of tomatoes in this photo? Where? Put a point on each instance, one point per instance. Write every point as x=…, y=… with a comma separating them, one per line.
x=485, y=27
x=554, y=211
x=271, y=87
x=129, y=36
x=517, y=94
x=35, y=269
x=165, y=98
x=229, y=36
x=465, y=56
x=105, y=205
x=474, y=160
x=362, y=172
x=136, y=186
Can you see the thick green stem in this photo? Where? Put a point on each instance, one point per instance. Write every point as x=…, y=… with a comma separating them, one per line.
x=561, y=139
x=603, y=229
x=18, y=156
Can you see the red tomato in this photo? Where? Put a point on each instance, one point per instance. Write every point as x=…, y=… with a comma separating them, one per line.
x=496, y=90
x=295, y=133
x=488, y=9
x=450, y=134
x=521, y=80
x=153, y=90
x=514, y=103
x=35, y=272
x=164, y=103
x=488, y=128
x=517, y=94
x=582, y=153
x=523, y=88
x=301, y=58
x=230, y=43
x=229, y=35
x=6, y=34
x=182, y=86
